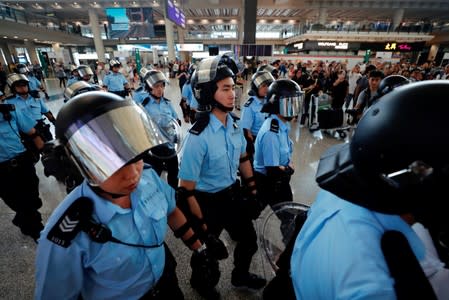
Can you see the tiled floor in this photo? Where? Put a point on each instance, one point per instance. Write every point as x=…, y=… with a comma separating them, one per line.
x=17, y=251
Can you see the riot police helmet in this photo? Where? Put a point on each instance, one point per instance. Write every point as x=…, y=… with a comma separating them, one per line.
x=284, y=97
x=79, y=87
x=260, y=78
x=269, y=68
x=85, y=72
x=207, y=74
x=115, y=63
x=22, y=69
x=154, y=76
x=15, y=79
x=102, y=133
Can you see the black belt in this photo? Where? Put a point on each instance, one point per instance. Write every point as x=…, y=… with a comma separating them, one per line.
x=226, y=192
x=14, y=162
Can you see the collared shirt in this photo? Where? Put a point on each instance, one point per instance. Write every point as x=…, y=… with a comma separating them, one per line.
x=32, y=107
x=115, y=82
x=252, y=117
x=272, y=149
x=140, y=94
x=34, y=83
x=110, y=270
x=187, y=93
x=338, y=255
x=10, y=142
x=72, y=80
x=211, y=159
x=163, y=107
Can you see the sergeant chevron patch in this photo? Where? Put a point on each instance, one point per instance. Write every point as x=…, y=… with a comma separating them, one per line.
x=71, y=222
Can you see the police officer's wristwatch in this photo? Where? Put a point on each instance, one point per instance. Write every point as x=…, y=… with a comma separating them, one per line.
x=201, y=248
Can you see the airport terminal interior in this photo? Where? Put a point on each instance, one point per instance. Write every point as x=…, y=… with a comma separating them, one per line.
x=408, y=38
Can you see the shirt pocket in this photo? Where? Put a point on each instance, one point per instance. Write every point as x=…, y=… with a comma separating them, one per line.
x=218, y=162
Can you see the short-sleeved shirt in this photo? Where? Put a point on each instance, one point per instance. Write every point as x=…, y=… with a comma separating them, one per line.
x=164, y=107
x=115, y=82
x=272, y=149
x=252, y=117
x=34, y=83
x=11, y=145
x=32, y=107
x=211, y=159
x=338, y=255
x=139, y=95
x=109, y=270
x=187, y=93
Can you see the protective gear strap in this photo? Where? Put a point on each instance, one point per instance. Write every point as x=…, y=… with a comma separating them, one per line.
x=201, y=123
x=182, y=230
x=244, y=158
x=183, y=194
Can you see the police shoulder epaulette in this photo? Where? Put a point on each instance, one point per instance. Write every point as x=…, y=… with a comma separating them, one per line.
x=10, y=97
x=201, y=123
x=139, y=89
x=234, y=116
x=168, y=100
x=145, y=101
x=274, y=126
x=248, y=103
x=71, y=222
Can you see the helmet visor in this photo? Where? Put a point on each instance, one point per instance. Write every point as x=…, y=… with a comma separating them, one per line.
x=290, y=106
x=83, y=71
x=72, y=89
x=109, y=141
x=156, y=77
x=265, y=77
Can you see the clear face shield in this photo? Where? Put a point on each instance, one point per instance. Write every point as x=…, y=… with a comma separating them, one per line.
x=290, y=106
x=152, y=79
x=109, y=141
x=172, y=132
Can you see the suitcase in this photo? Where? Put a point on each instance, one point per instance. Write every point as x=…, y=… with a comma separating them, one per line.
x=330, y=118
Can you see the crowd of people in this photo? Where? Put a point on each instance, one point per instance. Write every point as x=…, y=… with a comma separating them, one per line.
x=109, y=232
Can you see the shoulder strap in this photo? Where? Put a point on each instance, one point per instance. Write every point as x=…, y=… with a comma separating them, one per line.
x=248, y=103
x=201, y=123
x=234, y=116
x=410, y=280
x=146, y=101
x=274, y=126
x=71, y=222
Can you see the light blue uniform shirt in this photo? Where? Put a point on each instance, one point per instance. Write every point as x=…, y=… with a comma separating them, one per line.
x=252, y=117
x=34, y=83
x=72, y=80
x=164, y=107
x=10, y=144
x=110, y=270
x=115, y=82
x=211, y=159
x=32, y=107
x=187, y=93
x=338, y=255
x=272, y=149
x=140, y=94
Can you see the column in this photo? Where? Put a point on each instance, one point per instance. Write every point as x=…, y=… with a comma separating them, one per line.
x=241, y=23
x=7, y=54
x=433, y=52
x=31, y=48
x=184, y=55
x=322, y=16
x=98, y=42
x=170, y=39
x=397, y=18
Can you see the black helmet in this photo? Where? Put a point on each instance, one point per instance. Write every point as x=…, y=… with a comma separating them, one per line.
x=205, y=78
x=284, y=97
x=115, y=63
x=269, y=68
x=79, y=87
x=102, y=133
x=154, y=76
x=22, y=69
x=85, y=71
x=13, y=79
x=391, y=82
x=260, y=78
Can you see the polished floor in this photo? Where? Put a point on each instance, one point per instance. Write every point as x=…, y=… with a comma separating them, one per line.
x=18, y=251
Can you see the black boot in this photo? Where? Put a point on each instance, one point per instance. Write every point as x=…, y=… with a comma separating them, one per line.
x=207, y=293
x=247, y=279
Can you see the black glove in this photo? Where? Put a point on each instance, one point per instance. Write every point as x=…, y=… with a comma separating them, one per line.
x=205, y=270
x=254, y=205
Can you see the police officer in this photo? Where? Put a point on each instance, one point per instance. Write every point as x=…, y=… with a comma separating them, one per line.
x=213, y=152
x=115, y=82
x=252, y=117
x=269, y=68
x=27, y=104
x=109, y=232
x=85, y=73
x=364, y=236
x=189, y=104
x=35, y=85
x=19, y=185
x=74, y=75
x=164, y=157
x=273, y=157
x=141, y=92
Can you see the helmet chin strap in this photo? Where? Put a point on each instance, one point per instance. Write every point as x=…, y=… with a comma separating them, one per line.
x=99, y=191
x=222, y=107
